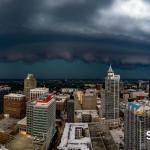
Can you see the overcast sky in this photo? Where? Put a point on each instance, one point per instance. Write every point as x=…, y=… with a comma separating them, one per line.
x=74, y=38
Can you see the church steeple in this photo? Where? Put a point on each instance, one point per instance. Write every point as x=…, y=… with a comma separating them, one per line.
x=110, y=69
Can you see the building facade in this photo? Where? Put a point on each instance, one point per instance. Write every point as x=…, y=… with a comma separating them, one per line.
x=110, y=98
x=137, y=123
x=41, y=115
x=29, y=83
x=37, y=92
x=70, y=110
x=89, y=100
x=4, y=90
x=15, y=105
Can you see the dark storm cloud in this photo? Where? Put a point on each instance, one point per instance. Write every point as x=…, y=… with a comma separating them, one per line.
x=69, y=47
x=94, y=31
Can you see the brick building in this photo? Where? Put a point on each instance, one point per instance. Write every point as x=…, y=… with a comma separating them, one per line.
x=15, y=105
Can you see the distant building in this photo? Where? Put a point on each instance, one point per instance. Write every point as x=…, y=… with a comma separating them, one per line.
x=15, y=105
x=61, y=101
x=29, y=83
x=137, y=123
x=3, y=91
x=41, y=118
x=110, y=98
x=37, y=92
x=89, y=99
x=86, y=116
x=70, y=110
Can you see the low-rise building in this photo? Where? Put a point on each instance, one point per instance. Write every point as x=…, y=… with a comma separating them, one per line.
x=86, y=116
x=7, y=129
x=75, y=136
x=15, y=105
x=37, y=92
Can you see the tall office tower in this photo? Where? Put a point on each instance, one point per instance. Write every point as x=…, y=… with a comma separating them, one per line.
x=3, y=91
x=137, y=123
x=70, y=110
x=29, y=83
x=15, y=105
x=37, y=92
x=41, y=115
x=110, y=99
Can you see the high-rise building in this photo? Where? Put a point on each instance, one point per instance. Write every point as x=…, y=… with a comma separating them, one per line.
x=70, y=110
x=41, y=115
x=110, y=98
x=137, y=123
x=3, y=91
x=15, y=105
x=29, y=83
x=37, y=92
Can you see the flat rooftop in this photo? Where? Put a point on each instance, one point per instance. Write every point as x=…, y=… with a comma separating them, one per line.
x=118, y=136
x=93, y=113
x=44, y=100
x=20, y=142
x=7, y=124
x=15, y=95
x=62, y=97
x=23, y=121
x=40, y=89
x=69, y=140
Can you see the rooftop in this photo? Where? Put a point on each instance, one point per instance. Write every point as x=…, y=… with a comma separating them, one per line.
x=62, y=97
x=40, y=89
x=15, y=95
x=44, y=100
x=69, y=139
x=93, y=113
x=139, y=106
x=4, y=88
x=23, y=121
x=30, y=76
x=7, y=124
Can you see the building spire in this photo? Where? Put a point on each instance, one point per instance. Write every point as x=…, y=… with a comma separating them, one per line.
x=110, y=69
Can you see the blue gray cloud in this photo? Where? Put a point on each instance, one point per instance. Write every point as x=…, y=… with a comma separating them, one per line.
x=93, y=31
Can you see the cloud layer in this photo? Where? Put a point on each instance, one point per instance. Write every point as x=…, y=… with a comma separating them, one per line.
x=106, y=31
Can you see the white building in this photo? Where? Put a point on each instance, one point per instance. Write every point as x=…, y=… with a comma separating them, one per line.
x=75, y=136
x=41, y=118
x=110, y=98
x=37, y=92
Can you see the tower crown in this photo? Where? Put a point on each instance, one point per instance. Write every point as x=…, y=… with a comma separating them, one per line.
x=110, y=69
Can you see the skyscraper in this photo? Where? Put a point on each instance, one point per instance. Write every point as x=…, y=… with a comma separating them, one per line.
x=110, y=98
x=29, y=83
x=137, y=123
